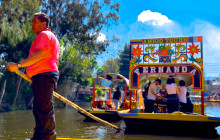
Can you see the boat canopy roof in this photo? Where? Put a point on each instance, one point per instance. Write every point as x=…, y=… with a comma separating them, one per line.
x=111, y=79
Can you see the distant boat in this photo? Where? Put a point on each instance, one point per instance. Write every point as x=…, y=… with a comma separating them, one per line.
x=102, y=104
x=214, y=98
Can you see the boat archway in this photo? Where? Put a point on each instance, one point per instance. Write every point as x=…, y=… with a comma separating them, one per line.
x=190, y=73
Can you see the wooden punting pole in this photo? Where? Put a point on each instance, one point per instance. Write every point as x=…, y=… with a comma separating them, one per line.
x=71, y=103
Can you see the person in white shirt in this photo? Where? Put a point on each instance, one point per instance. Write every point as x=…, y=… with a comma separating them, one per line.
x=182, y=95
x=173, y=95
x=151, y=96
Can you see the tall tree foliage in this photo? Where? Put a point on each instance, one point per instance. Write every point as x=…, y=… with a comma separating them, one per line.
x=124, y=57
x=15, y=41
x=74, y=66
x=77, y=25
x=81, y=21
x=111, y=66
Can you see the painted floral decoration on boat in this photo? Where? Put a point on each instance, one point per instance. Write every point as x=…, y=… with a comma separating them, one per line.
x=168, y=47
x=137, y=51
x=162, y=47
x=158, y=52
x=165, y=59
x=170, y=52
x=167, y=50
x=164, y=50
x=193, y=49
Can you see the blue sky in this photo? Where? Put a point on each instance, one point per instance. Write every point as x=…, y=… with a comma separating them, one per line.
x=142, y=19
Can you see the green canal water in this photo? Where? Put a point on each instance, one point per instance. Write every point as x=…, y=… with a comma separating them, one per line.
x=17, y=125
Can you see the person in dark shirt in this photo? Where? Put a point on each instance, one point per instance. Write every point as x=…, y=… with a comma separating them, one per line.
x=189, y=104
x=117, y=98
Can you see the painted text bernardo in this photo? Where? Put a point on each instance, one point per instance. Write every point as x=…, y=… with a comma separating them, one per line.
x=175, y=69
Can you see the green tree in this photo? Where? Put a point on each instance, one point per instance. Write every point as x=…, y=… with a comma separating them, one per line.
x=99, y=92
x=82, y=21
x=100, y=70
x=15, y=41
x=217, y=79
x=74, y=66
x=124, y=57
x=111, y=66
x=77, y=25
x=75, y=69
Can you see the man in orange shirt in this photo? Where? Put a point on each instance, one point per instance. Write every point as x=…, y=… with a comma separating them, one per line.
x=42, y=68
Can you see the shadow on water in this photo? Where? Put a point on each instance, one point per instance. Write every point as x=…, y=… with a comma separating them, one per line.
x=17, y=125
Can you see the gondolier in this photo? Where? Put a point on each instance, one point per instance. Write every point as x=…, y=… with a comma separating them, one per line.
x=42, y=68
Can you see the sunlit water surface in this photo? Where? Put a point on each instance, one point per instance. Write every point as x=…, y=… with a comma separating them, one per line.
x=17, y=125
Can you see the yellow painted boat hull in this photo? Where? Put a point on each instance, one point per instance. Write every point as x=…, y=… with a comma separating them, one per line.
x=171, y=124
x=107, y=115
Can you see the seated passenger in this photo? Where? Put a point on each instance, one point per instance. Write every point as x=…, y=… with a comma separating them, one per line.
x=117, y=98
x=189, y=104
x=162, y=95
x=182, y=96
x=99, y=106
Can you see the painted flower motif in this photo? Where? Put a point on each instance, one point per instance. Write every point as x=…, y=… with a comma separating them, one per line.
x=164, y=52
x=170, y=52
x=199, y=60
x=133, y=60
x=158, y=52
x=193, y=49
x=151, y=47
x=168, y=47
x=162, y=47
x=178, y=45
x=137, y=51
x=191, y=58
x=165, y=59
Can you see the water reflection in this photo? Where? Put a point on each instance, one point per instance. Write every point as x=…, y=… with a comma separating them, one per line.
x=213, y=108
x=18, y=125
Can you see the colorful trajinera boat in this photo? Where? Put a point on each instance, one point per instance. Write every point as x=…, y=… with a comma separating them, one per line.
x=102, y=104
x=181, y=57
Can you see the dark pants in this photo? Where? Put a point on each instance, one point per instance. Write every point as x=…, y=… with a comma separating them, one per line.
x=183, y=107
x=149, y=105
x=173, y=103
x=43, y=86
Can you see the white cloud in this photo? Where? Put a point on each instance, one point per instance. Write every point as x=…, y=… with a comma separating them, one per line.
x=211, y=44
x=153, y=18
x=211, y=40
x=211, y=35
x=101, y=37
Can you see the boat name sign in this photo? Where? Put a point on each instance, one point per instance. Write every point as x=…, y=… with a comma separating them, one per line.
x=189, y=69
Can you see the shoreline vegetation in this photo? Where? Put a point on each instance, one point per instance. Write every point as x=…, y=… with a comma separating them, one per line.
x=78, y=26
x=78, y=29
